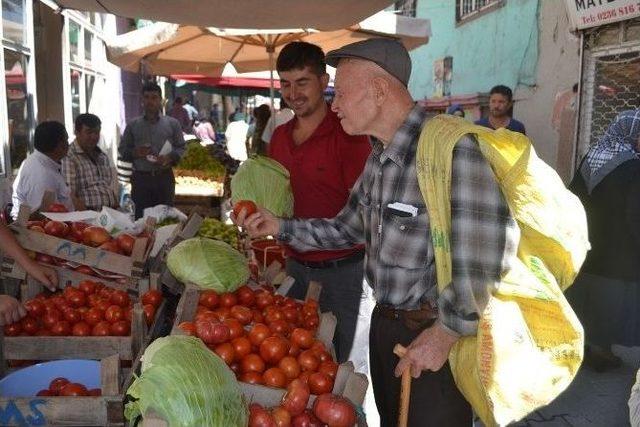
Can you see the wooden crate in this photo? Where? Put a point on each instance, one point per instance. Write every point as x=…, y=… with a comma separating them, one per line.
x=130, y=266
x=202, y=205
x=105, y=410
x=72, y=347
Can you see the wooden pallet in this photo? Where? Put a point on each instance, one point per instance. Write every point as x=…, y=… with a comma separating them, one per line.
x=71, y=347
x=130, y=266
x=105, y=410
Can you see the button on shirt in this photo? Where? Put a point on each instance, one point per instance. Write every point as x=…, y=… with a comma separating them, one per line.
x=38, y=174
x=90, y=178
x=140, y=132
x=400, y=263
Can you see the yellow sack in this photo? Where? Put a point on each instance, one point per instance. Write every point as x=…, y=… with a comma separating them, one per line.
x=529, y=343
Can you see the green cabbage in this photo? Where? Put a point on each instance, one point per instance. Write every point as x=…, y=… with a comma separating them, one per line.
x=186, y=384
x=208, y=263
x=266, y=183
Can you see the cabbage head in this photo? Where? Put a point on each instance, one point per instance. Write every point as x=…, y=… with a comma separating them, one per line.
x=186, y=384
x=266, y=183
x=208, y=263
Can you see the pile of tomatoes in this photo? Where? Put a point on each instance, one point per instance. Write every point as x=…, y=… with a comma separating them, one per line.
x=63, y=387
x=328, y=410
x=264, y=338
x=90, y=309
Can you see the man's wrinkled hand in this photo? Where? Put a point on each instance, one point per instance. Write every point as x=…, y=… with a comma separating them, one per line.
x=260, y=224
x=11, y=310
x=427, y=352
x=43, y=274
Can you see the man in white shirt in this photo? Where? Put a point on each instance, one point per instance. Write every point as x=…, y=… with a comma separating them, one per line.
x=236, y=135
x=40, y=171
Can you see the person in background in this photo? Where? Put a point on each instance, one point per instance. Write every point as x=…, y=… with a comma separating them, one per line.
x=606, y=293
x=386, y=211
x=281, y=117
x=203, y=130
x=456, y=110
x=214, y=115
x=500, y=108
x=236, y=136
x=87, y=169
x=191, y=111
x=41, y=171
x=180, y=113
x=323, y=162
x=145, y=137
x=261, y=115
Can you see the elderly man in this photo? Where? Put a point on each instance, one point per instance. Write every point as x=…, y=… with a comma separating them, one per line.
x=87, y=169
x=387, y=212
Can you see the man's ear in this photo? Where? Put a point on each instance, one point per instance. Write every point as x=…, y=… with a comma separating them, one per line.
x=325, y=80
x=380, y=89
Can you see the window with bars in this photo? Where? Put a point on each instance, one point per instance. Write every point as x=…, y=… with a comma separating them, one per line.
x=405, y=7
x=466, y=9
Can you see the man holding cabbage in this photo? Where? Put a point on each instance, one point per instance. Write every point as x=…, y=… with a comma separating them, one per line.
x=323, y=164
x=386, y=211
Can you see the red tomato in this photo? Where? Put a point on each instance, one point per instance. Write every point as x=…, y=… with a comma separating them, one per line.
x=93, y=316
x=272, y=349
x=290, y=367
x=324, y=357
x=281, y=416
x=51, y=317
x=35, y=224
x=211, y=332
x=189, y=328
x=111, y=246
x=104, y=304
x=120, y=297
x=251, y=377
x=223, y=313
x=273, y=313
x=259, y=333
x=241, y=347
x=260, y=417
x=209, y=299
x=120, y=328
x=95, y=236
x=311, y=322
x=57, y=383
x=306, y=419
x=235, y=328
x=308, y=361
x=35, y=308
x=302, y=337
x=56, y=228
x=126, y=242
x=29, y=325
x=228, y=299
x=248, y=206
x=291, y=314
x=334, y=410
x=294, y=350
x=81, y=329
x=257, y=316
x=101, y=329
x=318, y=348
x=113, y=314
x=264, y=299
x=75, y=297
x=226, y=352
x=61, y=328
x=235, y=367
x=280, y=327
x=12, y=329
x=274, y=377
x=320, y=383
x=71, y=315
x=252, y=363
x=149, y=313
x=153, y=297
x=329, y=368
x=56, y=207
x=246, y=296
x=87, y=286
x=296, y=398
x=242, y=314
x=74, y=389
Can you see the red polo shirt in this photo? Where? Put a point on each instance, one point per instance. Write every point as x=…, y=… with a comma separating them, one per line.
x=323, y=170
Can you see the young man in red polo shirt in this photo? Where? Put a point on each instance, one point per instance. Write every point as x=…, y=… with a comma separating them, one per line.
x=324, y=163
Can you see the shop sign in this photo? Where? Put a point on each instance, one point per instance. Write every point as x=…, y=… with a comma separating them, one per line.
x=593, y=13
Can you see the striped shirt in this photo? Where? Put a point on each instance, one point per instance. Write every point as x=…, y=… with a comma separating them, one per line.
x=90, y=178
x=400, y=263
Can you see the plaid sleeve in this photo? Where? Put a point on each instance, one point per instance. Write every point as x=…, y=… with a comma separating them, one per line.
x=341, y=232
x=484, y=237
x=68, y=169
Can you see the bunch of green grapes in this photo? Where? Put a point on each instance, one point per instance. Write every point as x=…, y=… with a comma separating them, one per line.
x=215, y=229
x=197, y=157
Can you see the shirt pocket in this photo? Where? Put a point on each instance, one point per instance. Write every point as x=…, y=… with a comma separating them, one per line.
x=406, y=241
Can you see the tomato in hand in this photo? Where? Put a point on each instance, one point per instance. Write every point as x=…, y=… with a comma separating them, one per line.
x=248, y=206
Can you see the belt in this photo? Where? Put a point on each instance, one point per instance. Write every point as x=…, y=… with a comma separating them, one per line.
x=155, y=172
x=413, y=319
x=333, y=263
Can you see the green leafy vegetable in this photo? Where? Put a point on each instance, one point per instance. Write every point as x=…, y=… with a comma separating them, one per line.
x=187, y=385
x=198, y=158
x=265, y=182
x=210, y=264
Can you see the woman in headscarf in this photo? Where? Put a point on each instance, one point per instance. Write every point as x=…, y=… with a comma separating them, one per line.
x=606, y=294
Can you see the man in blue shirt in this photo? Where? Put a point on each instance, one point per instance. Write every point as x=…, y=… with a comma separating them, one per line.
x=500, y=104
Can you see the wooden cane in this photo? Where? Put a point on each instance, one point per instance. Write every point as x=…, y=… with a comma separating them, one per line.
x=405, y=389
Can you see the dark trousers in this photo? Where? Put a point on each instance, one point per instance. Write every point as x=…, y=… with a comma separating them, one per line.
x=341, y=294
x=435, y=399
x=148, y=190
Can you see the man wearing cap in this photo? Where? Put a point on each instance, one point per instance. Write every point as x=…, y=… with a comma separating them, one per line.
x=323, y=162
x=386, y=210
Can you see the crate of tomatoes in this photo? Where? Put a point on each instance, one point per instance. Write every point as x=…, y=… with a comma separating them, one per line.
x=82, y=247
x=84, y=320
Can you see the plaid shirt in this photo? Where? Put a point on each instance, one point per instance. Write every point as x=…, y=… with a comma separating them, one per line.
x=400, y=263
x=91, y=180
